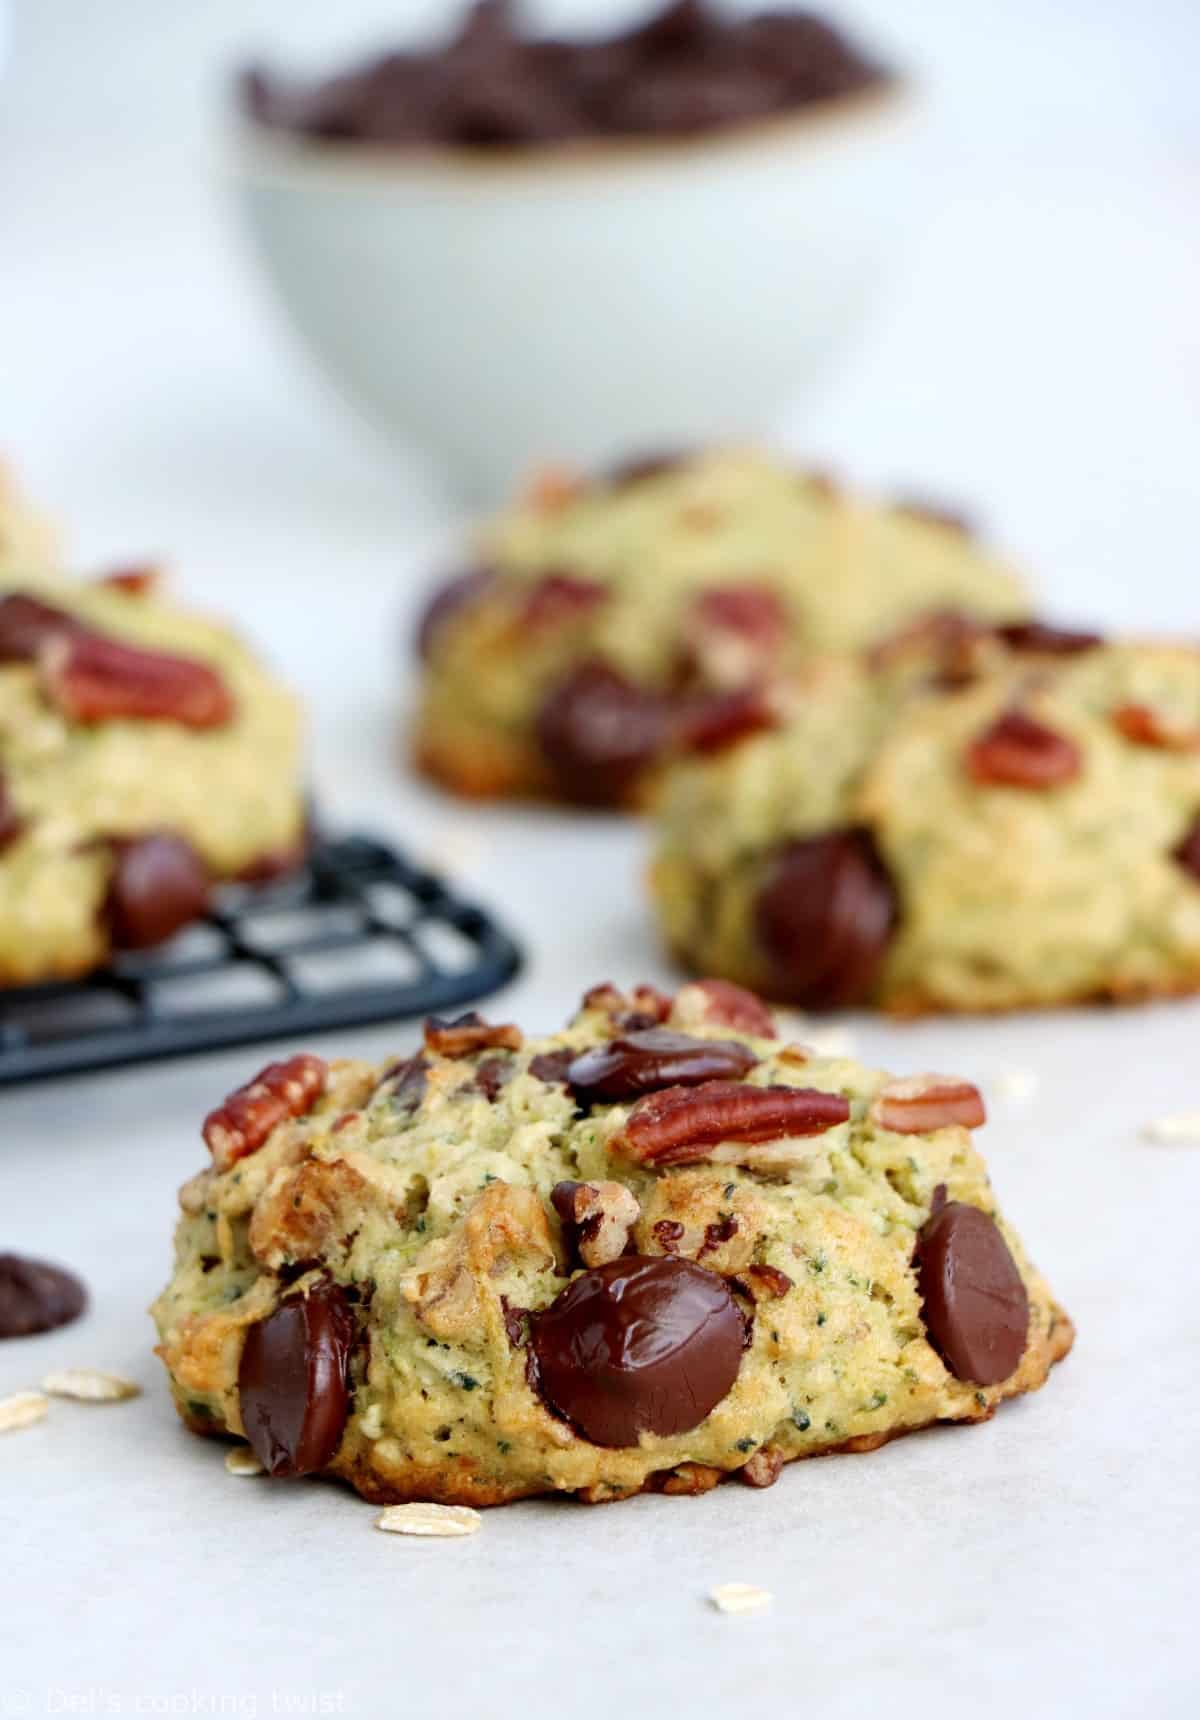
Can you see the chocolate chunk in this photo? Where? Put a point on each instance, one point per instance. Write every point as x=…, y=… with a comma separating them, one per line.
x=642, y=1062
x=638, y=1345
x=492, y=1075
x=599, y=731
x=11, y=822
x=1050, y=641
x=973, y=1300
x=689, y=67
x=645, y=466
x=26, y=623
x=825, y=917
x=292, y=1381
x=552, y=1066
x=159, y=883
x=457, y=594
x=36, y=1297
x=1188, y=851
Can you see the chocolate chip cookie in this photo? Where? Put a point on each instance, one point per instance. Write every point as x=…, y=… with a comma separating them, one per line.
x=656, y=1249
x=144, y=755
x=605, y=621
x=971, y=819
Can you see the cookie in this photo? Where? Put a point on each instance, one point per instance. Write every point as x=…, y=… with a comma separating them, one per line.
x=651, y=1251
x=986, y=821
x=144, y=755
x=26, y=540
x=602, y=620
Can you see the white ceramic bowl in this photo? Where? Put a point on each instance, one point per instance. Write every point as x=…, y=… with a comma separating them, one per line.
x=581, y=305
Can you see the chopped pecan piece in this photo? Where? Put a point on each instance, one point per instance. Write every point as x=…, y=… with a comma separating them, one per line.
x=11, y=822
x=491, y=1077
x=686, y=1479
x=935, y=514
x=755, y=612
x=667, y=1233
x=559, y=598
x=720, y=1003
x=411, y=1078
x=553, y=489
x=762, y=1470
x=469, y=1033
x=945, y=636
x=920, y=1103
x=596, y=1218
x=644, y=1006
x=762, y=1283
x=1146, y=728
x=645, y=466
x=26, y=623
x=94, y=680
x=134, y=581
x=650, y=1058
x=1017, y=751
x=451, y=1277
x=308, y=1214
x=710, y=722
x=242, y=1124
x=685, y=1124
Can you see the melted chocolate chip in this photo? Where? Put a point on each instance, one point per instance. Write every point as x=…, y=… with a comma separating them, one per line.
x=825, y=917
x=292, y=1381
x=656, y=1057
x=1050, y=641
x=973, y=1299
x=552, y=1066
x=457, y=594
x=35, y=1297
x=159, y=884
x=639, y=1345
x=598, y=733
x=1188, y=851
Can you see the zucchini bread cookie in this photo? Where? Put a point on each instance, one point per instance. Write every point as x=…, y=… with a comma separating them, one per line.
x=604, y=617
x=144, y=754
x=656, y=1249
x=968, y=820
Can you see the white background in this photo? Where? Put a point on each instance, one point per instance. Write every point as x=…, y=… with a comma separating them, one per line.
x=1040, y=359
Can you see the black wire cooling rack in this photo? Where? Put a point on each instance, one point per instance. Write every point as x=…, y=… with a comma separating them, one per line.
x=360, y=935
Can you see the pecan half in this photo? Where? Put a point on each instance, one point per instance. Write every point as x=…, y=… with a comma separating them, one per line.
x=720, y=1003
x=242, y=1124
x=468, y=1033
x=93, y=680
x=596, y=1218
x=920, y=1103
x=26, y=623
x=685, y=1124
x=1017, y=751
x=654, y=1057
x=1146, y=728
x=11, y=823
x=763, y=1469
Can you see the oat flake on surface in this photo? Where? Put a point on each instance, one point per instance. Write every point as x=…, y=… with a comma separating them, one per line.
x=439, y=1520
x=740, y=1598
x=89, y=1385
x=22, y=1410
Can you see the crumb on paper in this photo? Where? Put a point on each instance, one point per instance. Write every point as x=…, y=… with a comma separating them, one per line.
x=242, y=1461
x=458, y=852
x=89, y=1385
x=22, y=1410
x=1016, y=1084
x=437, y=1520
x=1183, y=1129
x=740, y=1598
